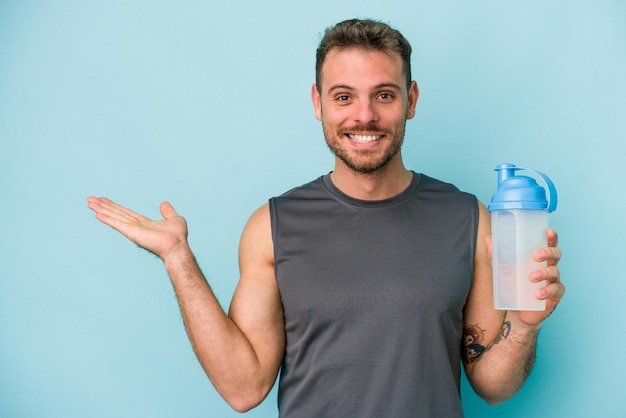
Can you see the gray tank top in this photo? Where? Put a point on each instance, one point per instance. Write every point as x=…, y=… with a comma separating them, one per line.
x=373, y=294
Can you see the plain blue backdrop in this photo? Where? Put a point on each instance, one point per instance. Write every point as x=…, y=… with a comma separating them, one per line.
x=206, y=104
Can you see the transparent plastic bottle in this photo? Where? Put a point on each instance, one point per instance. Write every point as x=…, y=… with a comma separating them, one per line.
x=519, y=220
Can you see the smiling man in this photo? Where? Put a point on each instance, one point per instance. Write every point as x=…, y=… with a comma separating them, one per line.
x=365, y=287
x=364, y=107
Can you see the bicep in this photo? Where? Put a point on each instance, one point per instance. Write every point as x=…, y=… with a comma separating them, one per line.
x=256, y=306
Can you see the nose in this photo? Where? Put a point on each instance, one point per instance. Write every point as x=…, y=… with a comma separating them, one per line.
x=365, y=112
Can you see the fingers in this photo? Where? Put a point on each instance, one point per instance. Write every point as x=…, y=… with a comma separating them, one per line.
x=553, y=237
x=552, y=255
x=114, y=215
x=110, y=208
x=553, y=291
x=160, y=237
x=102, y=204
x=550, y=273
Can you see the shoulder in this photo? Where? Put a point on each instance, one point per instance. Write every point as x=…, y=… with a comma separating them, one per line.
x=256, y=238
x=430, y=184
x=311, y=188
x=300, y=201
x=448, y=196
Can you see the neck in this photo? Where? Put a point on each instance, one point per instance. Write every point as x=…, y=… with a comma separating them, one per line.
x=385, y=183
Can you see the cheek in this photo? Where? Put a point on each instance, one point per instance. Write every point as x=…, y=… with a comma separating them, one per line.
x=332, y=117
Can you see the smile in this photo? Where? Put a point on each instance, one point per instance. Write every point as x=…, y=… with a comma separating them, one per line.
x=364, y=139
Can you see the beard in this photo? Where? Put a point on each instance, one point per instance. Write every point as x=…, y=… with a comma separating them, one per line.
x=364, y=161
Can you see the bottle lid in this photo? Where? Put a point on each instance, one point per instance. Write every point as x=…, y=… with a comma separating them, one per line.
x=522, y=192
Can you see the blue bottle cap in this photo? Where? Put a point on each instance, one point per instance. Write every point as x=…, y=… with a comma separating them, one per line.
x=521, y=192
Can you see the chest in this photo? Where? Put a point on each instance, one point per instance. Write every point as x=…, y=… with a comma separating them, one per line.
x=371, y=264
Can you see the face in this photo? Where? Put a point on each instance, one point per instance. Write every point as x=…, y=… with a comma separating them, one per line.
x=363, y=104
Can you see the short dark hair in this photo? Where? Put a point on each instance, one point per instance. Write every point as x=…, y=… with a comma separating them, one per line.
x=366, y=34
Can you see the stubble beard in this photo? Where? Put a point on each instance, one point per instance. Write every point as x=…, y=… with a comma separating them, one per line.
x=362, y=163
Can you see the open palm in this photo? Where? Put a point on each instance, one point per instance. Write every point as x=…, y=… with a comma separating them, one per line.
x=161, y=237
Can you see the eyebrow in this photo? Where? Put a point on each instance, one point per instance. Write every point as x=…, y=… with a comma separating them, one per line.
x=393, y=86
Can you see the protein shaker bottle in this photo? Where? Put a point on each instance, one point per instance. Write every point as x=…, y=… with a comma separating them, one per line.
x=519, y=220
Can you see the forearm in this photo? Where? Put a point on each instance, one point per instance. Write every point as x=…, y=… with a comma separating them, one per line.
x=241, y=359
x=224, y=352
x=506, y=363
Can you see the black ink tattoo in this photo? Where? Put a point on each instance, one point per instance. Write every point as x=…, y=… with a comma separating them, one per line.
x=504, y=333
x=473, y=337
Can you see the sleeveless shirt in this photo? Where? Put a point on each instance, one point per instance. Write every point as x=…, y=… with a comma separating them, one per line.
x=373, y=295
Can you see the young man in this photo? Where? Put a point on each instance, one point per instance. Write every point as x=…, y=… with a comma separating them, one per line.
x=365, y=287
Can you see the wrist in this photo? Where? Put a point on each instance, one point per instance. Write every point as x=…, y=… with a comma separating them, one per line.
x=179, y=256
x=520, y=324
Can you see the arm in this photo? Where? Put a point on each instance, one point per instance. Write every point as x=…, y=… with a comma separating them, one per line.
x=240, y=352
x=500, y=346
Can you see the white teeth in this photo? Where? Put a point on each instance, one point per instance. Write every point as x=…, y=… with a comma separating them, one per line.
x=364, y=138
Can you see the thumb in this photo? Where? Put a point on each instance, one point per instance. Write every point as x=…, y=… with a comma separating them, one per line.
x=167, y=210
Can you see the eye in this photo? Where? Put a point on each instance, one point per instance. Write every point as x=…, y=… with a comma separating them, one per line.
x=385, y=97
x=342, y=98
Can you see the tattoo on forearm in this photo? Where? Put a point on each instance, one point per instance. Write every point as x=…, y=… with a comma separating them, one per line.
x=504, y=332
x=474, y=337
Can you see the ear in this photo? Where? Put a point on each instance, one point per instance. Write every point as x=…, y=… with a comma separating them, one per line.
x=413, y=95
x=317, y=101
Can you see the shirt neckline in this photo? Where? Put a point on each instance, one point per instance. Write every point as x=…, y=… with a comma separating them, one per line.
x=374, y=204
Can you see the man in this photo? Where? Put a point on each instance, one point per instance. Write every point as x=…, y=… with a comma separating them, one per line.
x=357, y=286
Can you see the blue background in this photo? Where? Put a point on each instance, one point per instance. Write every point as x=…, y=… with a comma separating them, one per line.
x=206, y=104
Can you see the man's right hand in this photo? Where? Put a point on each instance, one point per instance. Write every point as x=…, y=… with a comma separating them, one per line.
x=241, y=353
x=162, y=237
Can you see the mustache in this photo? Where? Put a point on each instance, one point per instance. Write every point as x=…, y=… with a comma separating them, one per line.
x=369, y=128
